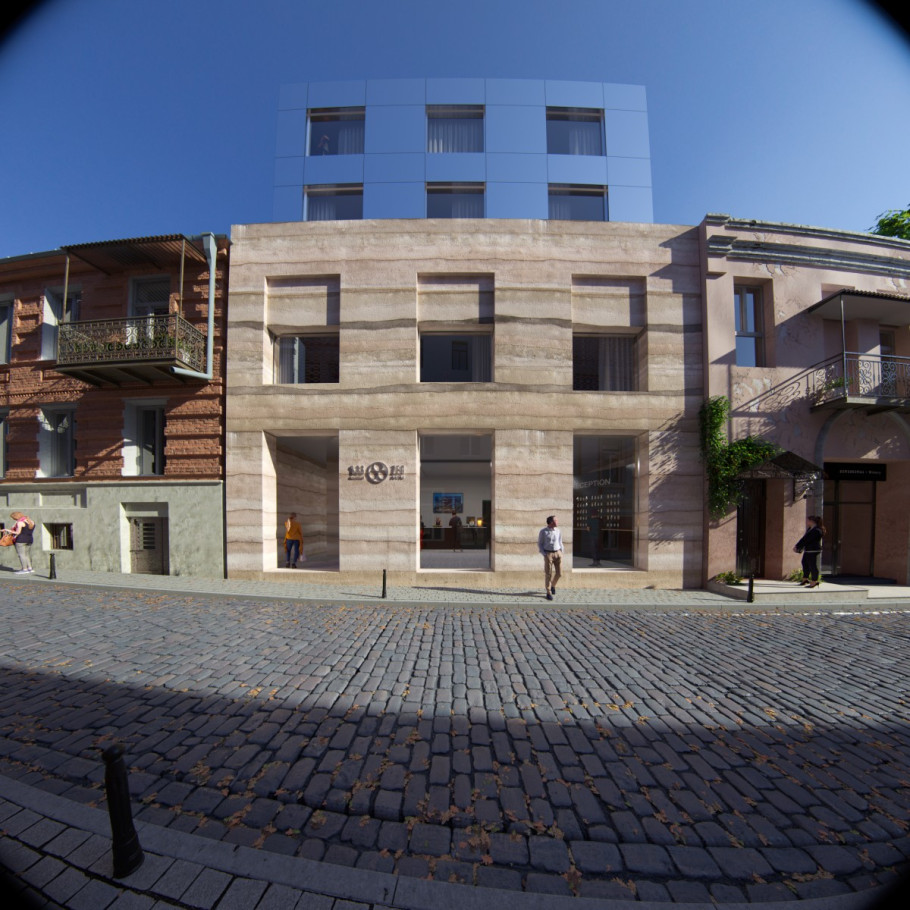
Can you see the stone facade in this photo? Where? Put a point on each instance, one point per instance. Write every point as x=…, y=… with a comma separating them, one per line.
x=804, y=393
x=99, y=505
x=532, y=288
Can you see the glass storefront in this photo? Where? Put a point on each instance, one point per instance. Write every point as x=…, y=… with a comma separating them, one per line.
x=604, y=502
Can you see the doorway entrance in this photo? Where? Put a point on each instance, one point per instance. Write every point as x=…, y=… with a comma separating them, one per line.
x=456, y=502
x=750, y=530
x=148, y=546
x=849, y=517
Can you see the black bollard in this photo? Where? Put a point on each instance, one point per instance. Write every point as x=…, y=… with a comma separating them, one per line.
x=383, y=584
x=127, y=851
x=750, y=597
x=52, y=569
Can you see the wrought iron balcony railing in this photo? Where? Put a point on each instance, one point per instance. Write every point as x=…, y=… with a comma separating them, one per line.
x=137, y=340
x=859, y=376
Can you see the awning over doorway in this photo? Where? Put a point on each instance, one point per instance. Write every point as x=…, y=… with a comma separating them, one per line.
x=785, y=466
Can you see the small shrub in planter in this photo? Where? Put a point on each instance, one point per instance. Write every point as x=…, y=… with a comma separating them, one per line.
x=728, y=578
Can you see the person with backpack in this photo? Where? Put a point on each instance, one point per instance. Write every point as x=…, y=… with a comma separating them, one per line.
x=22, y=535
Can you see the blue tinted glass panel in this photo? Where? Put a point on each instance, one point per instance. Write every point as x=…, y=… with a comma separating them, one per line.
x=746, y=352
x=573, y=132
x=396, y=91
x=627, y=134
x=516, y=91
x=455, y=202
x=335, y=205
x=516, y=129
x=575, y=94
x=291, y=136
x=395, y=200
x=336, y=132
x=576, y=205
x=631, y=203
x=455, y=91
x=454, y=129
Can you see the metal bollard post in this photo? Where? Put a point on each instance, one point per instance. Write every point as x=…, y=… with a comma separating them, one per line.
x=52, y=569
x=127, y=851
x=750, y=597
x=383, y=584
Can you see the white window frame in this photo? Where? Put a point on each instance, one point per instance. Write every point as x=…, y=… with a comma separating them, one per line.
x=7, y=311
x=55, y=312
x=740, y=313
x=56, y=458
x=133, y=439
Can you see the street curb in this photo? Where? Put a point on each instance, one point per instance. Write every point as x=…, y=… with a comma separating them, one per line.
x=346, y=883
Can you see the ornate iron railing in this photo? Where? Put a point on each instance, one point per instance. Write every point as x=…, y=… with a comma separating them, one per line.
x=854, y=375
x=137, y=339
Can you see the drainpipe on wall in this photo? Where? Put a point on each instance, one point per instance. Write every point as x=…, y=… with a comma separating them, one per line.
x=211, y=252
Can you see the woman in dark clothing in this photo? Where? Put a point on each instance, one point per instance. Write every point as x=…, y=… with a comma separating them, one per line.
x=810, y=545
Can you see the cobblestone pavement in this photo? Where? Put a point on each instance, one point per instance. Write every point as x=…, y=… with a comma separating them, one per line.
x=653, y=754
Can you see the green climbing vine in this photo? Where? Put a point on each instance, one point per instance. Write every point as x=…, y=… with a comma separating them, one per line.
x=724, y=461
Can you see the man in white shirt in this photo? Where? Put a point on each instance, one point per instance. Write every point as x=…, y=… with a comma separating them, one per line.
x=549, y=543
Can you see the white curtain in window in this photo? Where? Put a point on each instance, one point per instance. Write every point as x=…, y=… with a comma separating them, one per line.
x=584, y=137
x=617, y=363
x=454, y=134
x=560, y=207
x=350, y=137
x=467, y=205
x=321, y=207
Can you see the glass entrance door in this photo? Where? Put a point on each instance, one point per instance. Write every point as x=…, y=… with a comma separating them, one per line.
x=750, y=530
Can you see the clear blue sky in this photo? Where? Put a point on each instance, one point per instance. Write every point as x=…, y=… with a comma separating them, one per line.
x=127, y=118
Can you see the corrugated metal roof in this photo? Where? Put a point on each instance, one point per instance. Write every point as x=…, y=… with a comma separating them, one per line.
x=888, y=309
x=136, y=252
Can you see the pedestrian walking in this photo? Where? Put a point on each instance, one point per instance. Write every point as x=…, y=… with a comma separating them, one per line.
x=22, y=535
x=549, y=544
x=293, y=541
x=455, y=525
x=810, y=545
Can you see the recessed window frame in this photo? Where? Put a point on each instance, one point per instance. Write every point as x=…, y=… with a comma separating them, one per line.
x=749, y=339
x=616, y=362
x=291, y=367
x=588, y=140
x=57, y=442
x=7, y=311
x=578, y=191
x=59, y=535
x=326, y=136
x=55, y=312
x=455, y=129
x=461, y=197
x=347, y=194
x=4, y=441
x=473, y=349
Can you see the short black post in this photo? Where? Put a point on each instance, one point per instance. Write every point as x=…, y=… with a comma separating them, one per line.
x=750, y=598
x=52, y=570
x=127, y=851
x=383, y=584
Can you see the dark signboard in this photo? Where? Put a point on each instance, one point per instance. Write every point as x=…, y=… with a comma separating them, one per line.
x=842, y=470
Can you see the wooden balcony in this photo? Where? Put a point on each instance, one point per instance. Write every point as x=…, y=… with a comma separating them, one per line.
x=137, y=349
x=870, y=382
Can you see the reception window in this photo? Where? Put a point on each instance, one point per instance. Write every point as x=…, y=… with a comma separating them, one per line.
x=454, y=200
x=334, y=202
x=604, y=363
x=336, y=131
x=454, y=128
x=575, y=131
x=456, y=358
x=306, y=359
x=747, y=302
x=569, y=202
x=604, y=502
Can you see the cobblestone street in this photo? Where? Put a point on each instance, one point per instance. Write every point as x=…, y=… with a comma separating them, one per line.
x=640, y=754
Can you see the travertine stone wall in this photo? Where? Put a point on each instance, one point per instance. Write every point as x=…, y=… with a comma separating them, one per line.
x=529, y=283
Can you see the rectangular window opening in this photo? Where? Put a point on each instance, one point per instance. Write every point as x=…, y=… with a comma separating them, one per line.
x=334, y=202
x=748, y=326
x=336, y=131
x=571, y=202
x=604, y=363
x=575, y=131
x=456, y=358
x=306, y=359
x=454, y=128
x=61, y=536
x=455, y=200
